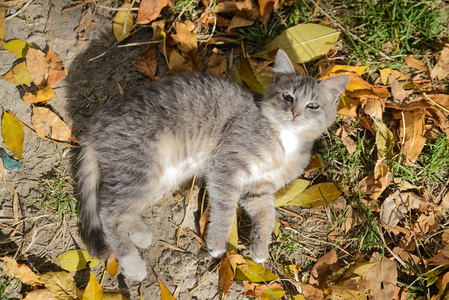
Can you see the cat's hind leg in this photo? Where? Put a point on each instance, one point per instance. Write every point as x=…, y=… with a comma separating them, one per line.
x=260, y=207
x=123, y=232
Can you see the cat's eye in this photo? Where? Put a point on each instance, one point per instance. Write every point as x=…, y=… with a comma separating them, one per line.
x=313, y=106
x=287, y=97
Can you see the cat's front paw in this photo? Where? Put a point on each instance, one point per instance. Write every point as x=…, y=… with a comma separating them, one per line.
x=216, y=249
x=141, y=239
x=259, y=253
x=134, y=267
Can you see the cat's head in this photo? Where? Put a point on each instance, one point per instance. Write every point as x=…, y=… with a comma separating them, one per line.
x=300, y=103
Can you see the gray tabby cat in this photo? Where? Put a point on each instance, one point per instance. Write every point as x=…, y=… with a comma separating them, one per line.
x=147, y=141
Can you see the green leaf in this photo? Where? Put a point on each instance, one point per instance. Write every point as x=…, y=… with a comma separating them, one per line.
x=76, y=260
x=247, y=75
x=19, y=75
x=255, y=273
x=317, y=195
x=303, y=42
x=18, y=48
x=165, y=293
x=13, y=133
x=289, y=192
x=93, y=290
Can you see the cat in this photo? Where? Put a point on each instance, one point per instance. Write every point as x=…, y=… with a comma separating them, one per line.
x=147, y=141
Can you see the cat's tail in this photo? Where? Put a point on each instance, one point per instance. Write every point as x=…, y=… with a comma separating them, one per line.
x=88, y=183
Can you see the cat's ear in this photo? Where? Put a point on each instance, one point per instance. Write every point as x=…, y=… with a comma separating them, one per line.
x=282, y=65
x=335, y=86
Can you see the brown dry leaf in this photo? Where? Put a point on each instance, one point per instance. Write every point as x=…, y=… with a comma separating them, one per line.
x=372, y=104
x=376, y=182
x=2, y=24
x=149, y=10
x=203, y=220
x=37, y=66
x=59, y=130
x=325, y=266
x=18, y=75
x=311, y=292
x=382, y=278
x=226, y=274
x=426, y=225
x=397, y=205
x=42, y=294
x=266, y=7
x=178, y=64
x=112, y=265
x=438, y=260
x=343, y=292
x=56, y=69
x=262, y=71
x=232, y=7
x=446, y=203
x=407, y=256
x=349, y=143
x=397, y=91
x=440, y=120
x=353, y=218
x=263, y=291
x=415, y=63
x=441, y=69
x=20, y=271
x=146, y=63
x=348, y=106
x=185, y=36
x=41, y=95
x=217, y=63
x=237, y=22
x=411, y=133
x=315, y=164
x=385, y=73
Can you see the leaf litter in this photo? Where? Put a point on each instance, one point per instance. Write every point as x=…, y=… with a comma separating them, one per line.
x=399, y=111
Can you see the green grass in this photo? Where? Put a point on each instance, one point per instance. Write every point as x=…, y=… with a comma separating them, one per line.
x=57, y=195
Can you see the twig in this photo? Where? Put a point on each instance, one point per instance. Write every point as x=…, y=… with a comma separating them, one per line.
x=187, y=210
x=138, y=44
x=51, y=25
x=76, y=6
x=19, y=11
x=389, y=250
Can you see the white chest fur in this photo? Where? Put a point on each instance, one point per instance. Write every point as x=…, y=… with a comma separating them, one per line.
x=290, y=142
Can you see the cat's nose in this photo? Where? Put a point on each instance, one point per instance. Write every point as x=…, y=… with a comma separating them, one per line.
x=295, y=114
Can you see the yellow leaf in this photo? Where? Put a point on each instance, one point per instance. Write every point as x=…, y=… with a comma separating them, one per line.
x=264, y=291
x=355, y=69
x=317, y=195
x=120, y=26
x=18, y=75
x=20, y=271
x=93, y=290
x=233, y=237
x=384, y=140
x=165, y=293
x=112, y=265
x=59, y=130
x=384, y=73
x=41, y=95
x=290, y=192
x=76, y=260
x=18, y=48
x=42, y=294
x=61, y=284
x=13, y=133
x=303, y=42
x=411, y=133
x=255, y=273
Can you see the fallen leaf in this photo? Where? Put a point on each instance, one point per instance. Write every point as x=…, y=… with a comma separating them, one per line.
x=233, y=238
x=290, y=192
x=59, y=130
x=147, y=62
x=385, y=73
x=247, y=75
x=238, y=22
x=112, y=265
x=93, y=290
x=204, y=219
x=271, y=291
x=346, y=293
x=19, y=75
x=397, y=91
x=178, y=63
x=231, y=7
x=349, y=143
x=226, y=274
x=384, y=140
x=255, y=273
x=426, y=225
x=303, y=42
x=441, y=69
x=320, y=194
x=372, y=104
x=376, y=182
x=266, y=7
x=61, y=284
x=325, y=266
x=187, y=43
x=315, y=164
x=415, y=63
x=123, y=22
x=217, y=63
x=438, y=260
x=77, y=260
x=18, y=48
x=348, y=106
x=165, y=293
x=311, y=292
x=56, y=69
x=382, y=279
x=353, y=218
x=398, y=205
x=149, y=10
x=42, y=294
x=20, y=271
x=41, y=95
x=337, y=69
x=262, y=71
x=411, y=133
x=37, y=67
x=13, y=133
